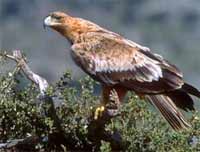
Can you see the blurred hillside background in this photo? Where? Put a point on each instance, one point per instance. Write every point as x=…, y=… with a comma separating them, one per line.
x=170, y=28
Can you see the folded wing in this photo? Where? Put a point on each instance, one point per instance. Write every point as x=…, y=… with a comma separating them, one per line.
x=113, y=60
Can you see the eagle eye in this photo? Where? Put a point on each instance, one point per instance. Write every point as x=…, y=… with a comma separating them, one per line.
x=56, y=17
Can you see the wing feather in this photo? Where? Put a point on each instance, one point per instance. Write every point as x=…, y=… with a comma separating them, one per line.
x=112, y=59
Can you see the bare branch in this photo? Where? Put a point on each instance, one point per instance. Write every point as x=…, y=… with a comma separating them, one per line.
x=21, y=63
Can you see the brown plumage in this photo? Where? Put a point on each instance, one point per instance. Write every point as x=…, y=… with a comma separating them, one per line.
x=123, y=65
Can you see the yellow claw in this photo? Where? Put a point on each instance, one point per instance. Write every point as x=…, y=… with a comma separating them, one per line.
x=102, y=108
x=98, y=112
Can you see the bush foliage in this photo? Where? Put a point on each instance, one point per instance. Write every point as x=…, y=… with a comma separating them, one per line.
x=136, y=127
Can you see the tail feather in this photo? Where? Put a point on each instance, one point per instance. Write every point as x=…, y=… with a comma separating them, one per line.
x=169, y=111
x=181, y=99
x=191, y=90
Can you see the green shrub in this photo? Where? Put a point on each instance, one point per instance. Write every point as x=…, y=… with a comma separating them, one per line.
x=137, y=127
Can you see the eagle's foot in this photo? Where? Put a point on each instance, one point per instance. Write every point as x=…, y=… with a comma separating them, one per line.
x=109, y=109
x=105, y=111
x=99, y=112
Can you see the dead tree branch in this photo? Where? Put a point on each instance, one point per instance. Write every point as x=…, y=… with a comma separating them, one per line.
x=22, y=64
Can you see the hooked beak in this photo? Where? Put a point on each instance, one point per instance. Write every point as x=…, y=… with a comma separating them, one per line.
x=47, y=22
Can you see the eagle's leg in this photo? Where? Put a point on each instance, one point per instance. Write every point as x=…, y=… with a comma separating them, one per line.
x=104, y=100
x=115, y=94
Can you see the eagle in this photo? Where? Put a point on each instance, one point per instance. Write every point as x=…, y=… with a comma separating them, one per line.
x=122, y=65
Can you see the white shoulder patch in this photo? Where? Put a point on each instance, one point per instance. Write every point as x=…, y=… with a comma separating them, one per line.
x=146, y=69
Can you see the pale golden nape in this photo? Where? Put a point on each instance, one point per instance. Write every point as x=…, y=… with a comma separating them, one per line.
x=123, y=65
